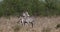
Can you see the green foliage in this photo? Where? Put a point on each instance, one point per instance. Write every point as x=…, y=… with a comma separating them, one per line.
x=34, y=7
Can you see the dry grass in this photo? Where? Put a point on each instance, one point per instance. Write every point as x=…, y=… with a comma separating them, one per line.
x=17, y=27
x=42, y=24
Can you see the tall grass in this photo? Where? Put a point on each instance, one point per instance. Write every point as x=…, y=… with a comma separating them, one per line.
x=17, y=28
x=46, y=29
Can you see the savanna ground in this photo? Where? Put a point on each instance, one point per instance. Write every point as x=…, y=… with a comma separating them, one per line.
x=41, y=24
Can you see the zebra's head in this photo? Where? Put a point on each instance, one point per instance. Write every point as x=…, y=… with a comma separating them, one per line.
x=25, y=14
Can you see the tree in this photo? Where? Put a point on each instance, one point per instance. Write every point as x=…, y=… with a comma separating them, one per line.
x=50, y=6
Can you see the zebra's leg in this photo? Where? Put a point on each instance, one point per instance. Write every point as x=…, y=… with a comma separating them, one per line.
x=25, y=22
x=31, y=24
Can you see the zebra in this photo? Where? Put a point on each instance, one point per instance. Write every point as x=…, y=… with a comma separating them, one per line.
x=26, y=18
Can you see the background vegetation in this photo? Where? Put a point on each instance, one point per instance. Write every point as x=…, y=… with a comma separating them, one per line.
x=34, y=7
